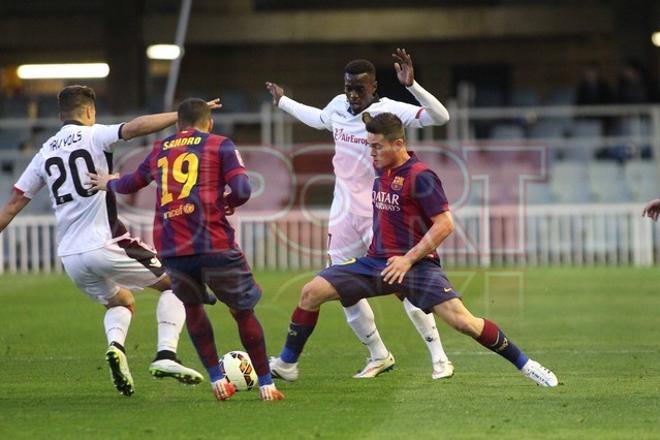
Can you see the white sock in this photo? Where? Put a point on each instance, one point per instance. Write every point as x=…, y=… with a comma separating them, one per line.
x=361, y=319
x=116, y=322
x=171, y=316
x=425, y=325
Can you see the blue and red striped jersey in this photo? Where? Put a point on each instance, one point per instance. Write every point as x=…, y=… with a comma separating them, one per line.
x=191, y=169
x=404, y=199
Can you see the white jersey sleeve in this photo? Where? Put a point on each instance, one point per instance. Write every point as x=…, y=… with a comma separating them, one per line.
x=103, y=136
x=409, y=114
x=308, y=115
x=32, y=179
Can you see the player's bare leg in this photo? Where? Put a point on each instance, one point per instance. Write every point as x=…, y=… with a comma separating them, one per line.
x=425, y=325
x=454, y=313
x=303, y=321
x=171, y=316
x=116, y=321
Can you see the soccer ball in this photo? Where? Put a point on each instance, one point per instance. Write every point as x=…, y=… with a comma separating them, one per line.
x=238, y=369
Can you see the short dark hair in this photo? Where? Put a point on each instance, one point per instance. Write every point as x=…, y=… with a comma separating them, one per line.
x=192, y=111
x=356, y=67
x=72, y=99
x=387, y=124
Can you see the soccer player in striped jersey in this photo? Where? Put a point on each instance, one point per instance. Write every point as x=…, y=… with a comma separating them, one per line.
x=349, y=231
x=97, y=252
x=411, y=218
x=195, y=240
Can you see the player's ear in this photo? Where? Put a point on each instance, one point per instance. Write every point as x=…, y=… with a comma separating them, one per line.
x=210, y=124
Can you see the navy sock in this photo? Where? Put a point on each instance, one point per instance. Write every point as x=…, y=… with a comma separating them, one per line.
x=301, y=327
x=495, y=340
x=266, y=379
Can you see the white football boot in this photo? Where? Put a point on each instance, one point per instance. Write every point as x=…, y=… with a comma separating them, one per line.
x=539, y=374
x=283, y=370
x=442, y=370
x=375, y=367
x=169, y=368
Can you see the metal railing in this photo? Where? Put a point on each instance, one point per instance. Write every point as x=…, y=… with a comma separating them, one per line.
x=542, y=235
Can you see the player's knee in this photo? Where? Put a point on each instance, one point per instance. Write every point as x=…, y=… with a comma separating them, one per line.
x=123, y=298
x=311, y=296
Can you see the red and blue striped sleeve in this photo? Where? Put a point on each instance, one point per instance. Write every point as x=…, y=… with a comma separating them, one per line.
x=429, y=194
x=230, y=158
x=133, y=182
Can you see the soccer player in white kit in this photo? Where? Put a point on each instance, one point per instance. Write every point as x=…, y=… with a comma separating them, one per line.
x=350, y=224
x=97, y=252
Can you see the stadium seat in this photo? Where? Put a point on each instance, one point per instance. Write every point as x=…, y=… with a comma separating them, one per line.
x=560, y=96
x=553, y=128
x=11, y=138
x=507, y=132
x=524, y=98
x=15, y=107
x=235, y=100
x=568, y=182
x=47, y=107
x=607, y=182
x=539, y=193
x=642, y=178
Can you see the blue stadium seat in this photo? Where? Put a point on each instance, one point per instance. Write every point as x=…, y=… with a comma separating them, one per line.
x=539, y=193
x=607, y=182
x=560, y=96
x=642, y=177
x=552, y=128
x=507, y=132
x=568, y=182
x=47, y=107
x=525, y=98
x=11, y=138
x=235, y=101
x=15, y=107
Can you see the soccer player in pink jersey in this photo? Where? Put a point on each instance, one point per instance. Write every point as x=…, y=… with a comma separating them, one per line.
x=349, y=231
x=411, y=218
x=194, y=239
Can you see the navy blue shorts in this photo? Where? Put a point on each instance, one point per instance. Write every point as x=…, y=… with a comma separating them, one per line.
x=227, y=274
x=425, y=285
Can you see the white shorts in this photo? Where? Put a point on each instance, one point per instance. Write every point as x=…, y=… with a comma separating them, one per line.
x=127, y=263
x=349, y=238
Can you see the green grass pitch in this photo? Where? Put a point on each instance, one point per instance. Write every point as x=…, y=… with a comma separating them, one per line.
x=596, y=328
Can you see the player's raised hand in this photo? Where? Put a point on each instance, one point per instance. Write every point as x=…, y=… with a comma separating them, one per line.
x=276, y=92
x=214, y=104
x=100, y=181
x=397, y=268
x=404, y=67
x=652, y=210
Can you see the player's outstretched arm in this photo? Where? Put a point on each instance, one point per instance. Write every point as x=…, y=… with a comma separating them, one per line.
x=11, y=209
x=100, y=181
x=143, y=125
x=652, y=210
x=397, y=267
x=435, y=112
x=308, y=115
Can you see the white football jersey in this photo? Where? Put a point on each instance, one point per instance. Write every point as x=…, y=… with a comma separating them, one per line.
x=86, y=220
x=352, y=161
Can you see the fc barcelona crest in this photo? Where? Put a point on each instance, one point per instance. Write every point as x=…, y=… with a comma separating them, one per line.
x=397, y=183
